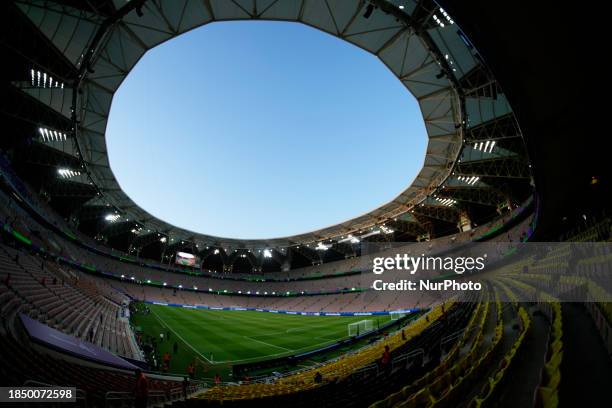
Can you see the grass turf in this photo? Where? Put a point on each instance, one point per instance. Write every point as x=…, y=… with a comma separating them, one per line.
x=218, y=339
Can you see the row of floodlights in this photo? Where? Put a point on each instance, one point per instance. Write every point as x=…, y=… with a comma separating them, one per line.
x=469, y=180
x=42, y=80
x=448, y=202
x=48, y=135
x=133, y=278
x=67, y=173
x=486, y=147
x=112, y=217
x=445, y=19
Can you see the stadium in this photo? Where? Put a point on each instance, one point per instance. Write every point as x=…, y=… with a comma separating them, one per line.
x=104, y=304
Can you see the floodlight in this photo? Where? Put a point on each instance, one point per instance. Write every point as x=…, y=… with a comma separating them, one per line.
x=112, y=217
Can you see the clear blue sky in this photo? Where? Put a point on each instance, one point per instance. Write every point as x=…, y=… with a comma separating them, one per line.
x=262, y=130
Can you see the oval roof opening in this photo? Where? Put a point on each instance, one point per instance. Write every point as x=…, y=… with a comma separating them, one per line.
x=258, y=130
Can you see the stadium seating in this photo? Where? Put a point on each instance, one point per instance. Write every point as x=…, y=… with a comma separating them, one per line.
x=37, y=288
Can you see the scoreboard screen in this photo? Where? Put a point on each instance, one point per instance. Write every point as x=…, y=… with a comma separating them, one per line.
x=186, y=259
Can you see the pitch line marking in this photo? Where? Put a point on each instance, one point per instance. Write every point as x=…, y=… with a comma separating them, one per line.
x=268, y=344
x=179, y=336
x=262, y=358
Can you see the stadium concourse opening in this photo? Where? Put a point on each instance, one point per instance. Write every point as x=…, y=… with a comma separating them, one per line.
x=107, y=303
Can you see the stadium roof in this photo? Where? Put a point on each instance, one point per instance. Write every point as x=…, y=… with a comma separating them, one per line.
x=475, y=148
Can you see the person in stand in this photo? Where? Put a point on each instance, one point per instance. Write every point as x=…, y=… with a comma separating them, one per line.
x=166, y=359
x=217, y=379
x=403, y=335
x=385, y=361
x=318, y=378
x=141, y=390
x=175, y=348
x=191, y=370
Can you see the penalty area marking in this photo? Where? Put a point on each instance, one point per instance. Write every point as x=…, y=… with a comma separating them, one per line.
x=179, y=336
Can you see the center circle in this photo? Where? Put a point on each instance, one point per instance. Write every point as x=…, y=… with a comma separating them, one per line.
x=258, y=130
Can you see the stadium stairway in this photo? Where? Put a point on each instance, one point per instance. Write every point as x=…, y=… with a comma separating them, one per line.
x=528, y=365
x=586, y=368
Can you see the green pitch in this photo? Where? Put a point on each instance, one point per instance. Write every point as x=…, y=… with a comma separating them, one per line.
x=218, y=339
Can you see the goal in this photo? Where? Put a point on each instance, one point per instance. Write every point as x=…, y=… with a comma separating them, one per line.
x=360, y=327
x=397, y=315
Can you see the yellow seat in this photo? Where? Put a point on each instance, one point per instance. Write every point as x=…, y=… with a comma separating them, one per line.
x=553, y=364
x=549, y=398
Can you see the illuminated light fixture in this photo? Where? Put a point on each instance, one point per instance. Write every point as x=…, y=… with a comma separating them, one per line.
x=49, y=135
x=148, y=280
x=216, y=252
x=267, y=253
x=401, y=7
x=112, y=217
x=122, y=276
x=350, y=238
x=438, y=21
x=165, y=284
x=446, y=16
x=180, y=286
x=446, y=201
x=386, y=230
x=469, y=180
x=132, y=278
x=163, y=239
x=369, y=234
x=42, y=80
x=185, y=255
x=67, y=173
x=486, y=147
x=322, y=247
x=450, y=62
x=195, y=288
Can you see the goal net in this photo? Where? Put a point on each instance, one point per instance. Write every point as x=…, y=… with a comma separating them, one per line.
x=360, y=327
x=397, y=315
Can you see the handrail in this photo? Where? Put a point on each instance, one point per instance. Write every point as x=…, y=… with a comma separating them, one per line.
x=408, y=356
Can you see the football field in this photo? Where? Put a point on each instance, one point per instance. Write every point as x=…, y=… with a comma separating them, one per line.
x=223, y=338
